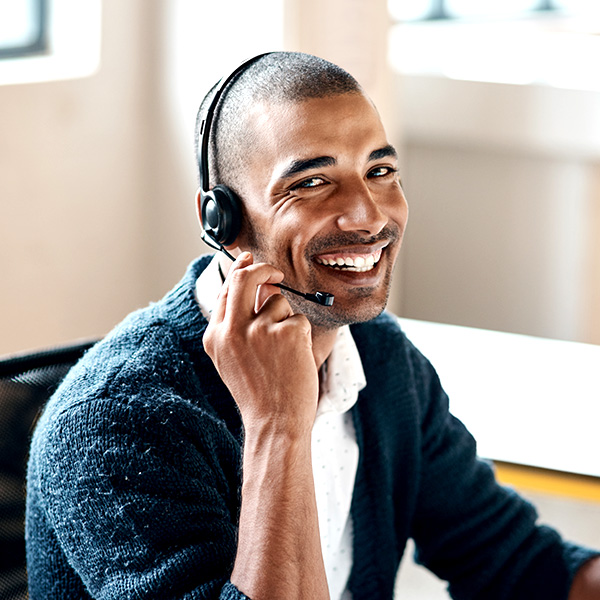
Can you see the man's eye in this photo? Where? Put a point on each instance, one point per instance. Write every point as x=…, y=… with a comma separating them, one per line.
x=311, y=182
x=381, y=171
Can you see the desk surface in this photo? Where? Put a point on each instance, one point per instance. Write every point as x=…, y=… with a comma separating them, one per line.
x=528, y=401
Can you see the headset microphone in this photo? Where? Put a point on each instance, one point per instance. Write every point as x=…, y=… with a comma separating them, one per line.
x=323, y=298
x=220, y=208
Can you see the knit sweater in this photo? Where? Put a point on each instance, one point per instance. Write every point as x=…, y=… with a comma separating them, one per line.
x=135, y=475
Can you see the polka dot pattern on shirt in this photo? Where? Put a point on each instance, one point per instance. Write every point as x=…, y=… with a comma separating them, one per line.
x=335, y=459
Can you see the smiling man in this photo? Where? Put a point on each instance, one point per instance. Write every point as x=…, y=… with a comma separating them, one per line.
x=236, y=440
x=322, y=202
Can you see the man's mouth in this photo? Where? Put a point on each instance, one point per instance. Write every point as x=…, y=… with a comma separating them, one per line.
x=358, y=263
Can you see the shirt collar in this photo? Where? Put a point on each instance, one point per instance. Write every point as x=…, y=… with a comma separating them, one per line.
x=342, y=375
x=208, y=286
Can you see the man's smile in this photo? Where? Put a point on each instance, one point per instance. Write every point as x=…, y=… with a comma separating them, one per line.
x=350, y=261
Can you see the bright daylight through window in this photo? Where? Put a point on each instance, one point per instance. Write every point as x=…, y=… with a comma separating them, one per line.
x=552, y=42
x=48, y=40
x=23, y=28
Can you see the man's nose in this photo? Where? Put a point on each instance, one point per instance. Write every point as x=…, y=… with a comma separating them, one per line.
x=360, y=210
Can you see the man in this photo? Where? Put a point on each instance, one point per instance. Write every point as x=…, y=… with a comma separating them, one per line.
x=285, y=449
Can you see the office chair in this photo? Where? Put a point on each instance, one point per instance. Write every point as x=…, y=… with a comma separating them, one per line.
x=26, y=382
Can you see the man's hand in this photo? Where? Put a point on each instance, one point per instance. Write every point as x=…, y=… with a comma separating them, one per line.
x=263, y=353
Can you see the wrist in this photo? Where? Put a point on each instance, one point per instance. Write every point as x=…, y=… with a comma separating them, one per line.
x=276, y=442
x=277, y=428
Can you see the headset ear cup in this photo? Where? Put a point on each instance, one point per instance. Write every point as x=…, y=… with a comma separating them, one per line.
x=221, y=214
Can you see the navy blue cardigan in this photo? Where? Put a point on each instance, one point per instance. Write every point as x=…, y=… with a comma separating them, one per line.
x=134, y=476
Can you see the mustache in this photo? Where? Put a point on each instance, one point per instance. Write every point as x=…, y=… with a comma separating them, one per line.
x=388, y=234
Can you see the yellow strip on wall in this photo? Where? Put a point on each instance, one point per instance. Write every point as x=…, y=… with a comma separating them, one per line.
x=557, y=483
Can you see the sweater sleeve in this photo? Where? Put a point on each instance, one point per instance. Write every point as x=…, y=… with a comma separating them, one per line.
x=480, y=537
x=142, y=498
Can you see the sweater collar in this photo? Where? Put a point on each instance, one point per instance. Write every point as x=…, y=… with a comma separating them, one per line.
x=180, y=309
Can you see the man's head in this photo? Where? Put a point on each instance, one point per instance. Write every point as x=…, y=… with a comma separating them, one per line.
x=303, y=147
x=278, y=77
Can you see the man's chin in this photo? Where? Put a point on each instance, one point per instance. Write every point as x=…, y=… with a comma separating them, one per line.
x=346, y=312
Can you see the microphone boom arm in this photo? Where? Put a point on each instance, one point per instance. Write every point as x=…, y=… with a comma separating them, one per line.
x=322, y=298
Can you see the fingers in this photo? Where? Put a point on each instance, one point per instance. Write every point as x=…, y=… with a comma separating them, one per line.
x=275, y=306
x=218, y=314
x=247, y=289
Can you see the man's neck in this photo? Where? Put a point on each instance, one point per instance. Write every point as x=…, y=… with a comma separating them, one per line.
x=323, y=342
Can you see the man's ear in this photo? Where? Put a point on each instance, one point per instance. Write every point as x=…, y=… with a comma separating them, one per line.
x=199, y=206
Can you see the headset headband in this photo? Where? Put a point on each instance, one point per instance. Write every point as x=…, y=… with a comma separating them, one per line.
x=202, y=157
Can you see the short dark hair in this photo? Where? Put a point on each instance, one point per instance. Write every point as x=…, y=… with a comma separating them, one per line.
x=279, y=77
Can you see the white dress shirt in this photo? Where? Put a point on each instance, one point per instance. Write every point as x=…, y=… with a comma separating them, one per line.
x=333, y=443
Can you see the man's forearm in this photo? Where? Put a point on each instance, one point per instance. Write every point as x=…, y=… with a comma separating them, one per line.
x=279, y=550
x=265, y=355
x=586, y=585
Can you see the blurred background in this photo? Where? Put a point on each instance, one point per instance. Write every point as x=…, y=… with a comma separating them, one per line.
x=494, y=105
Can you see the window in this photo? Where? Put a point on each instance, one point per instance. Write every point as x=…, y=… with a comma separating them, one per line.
x=48, y=40
x=23, y=28
x=518, y=42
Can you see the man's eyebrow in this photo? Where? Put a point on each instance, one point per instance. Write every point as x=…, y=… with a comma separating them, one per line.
x=384, y=152
x=306, y=164
x=300, y=165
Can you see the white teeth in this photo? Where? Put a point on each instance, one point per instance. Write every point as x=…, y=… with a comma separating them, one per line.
x=357, y=264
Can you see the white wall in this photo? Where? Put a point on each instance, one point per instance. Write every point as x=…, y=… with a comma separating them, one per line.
x=72, y=238
x=502, y=184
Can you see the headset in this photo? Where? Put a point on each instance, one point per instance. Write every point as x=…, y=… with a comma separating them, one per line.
x=220, y=207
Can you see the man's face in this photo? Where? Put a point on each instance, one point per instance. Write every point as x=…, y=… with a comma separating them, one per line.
x=323, y=203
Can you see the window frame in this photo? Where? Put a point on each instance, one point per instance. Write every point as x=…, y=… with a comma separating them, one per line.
x=438, y=11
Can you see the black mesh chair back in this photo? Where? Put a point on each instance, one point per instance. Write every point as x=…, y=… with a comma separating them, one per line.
x=26, y=382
